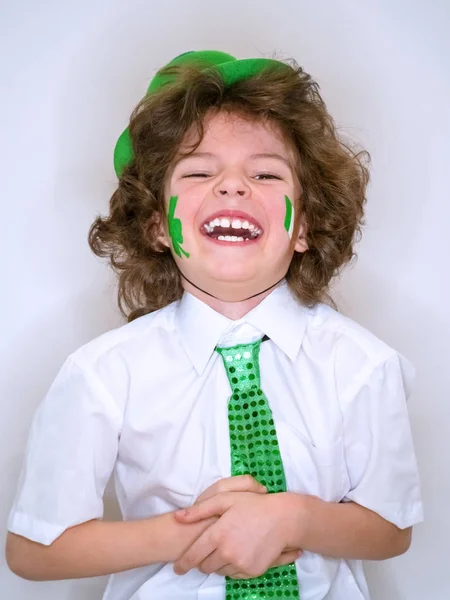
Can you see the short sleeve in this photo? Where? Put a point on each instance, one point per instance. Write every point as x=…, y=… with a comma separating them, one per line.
x=71, y=452
x=380, y=455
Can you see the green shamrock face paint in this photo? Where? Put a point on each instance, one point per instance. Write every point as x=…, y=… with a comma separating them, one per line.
x=289, y=218
x=175, y=230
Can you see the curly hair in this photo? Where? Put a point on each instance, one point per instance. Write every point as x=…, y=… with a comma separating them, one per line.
x=333, y=177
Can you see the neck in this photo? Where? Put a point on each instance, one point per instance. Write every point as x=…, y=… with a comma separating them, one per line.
x=232, y=310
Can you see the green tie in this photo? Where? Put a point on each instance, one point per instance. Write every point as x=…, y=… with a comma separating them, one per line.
x=255, y=451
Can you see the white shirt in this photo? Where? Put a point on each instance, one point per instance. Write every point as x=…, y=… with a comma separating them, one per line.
x=149, y=401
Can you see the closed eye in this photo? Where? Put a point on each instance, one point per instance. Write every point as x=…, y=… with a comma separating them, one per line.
x=258, y=177
x=196, y=175
x=264, y=176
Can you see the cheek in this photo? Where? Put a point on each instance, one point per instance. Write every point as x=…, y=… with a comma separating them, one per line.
x=289, y=217
x=186, y=209
x=281, y=215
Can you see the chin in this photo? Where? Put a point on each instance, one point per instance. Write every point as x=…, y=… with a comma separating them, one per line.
x=233, y=275
x=237, y=286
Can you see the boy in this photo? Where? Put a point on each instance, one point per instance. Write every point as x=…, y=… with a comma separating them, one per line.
x=236, y=205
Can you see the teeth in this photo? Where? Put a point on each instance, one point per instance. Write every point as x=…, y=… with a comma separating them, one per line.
x=230, y=238
x=234, y=224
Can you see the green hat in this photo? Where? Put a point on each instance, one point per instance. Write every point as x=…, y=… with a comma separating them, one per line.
x=231, y=69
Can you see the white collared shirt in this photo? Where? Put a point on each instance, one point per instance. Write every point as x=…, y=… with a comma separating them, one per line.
x=148, y=401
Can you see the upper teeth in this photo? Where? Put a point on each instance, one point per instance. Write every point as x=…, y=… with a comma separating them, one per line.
x=233, y=223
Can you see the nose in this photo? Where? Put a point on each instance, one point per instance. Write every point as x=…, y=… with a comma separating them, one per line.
x=232, y=184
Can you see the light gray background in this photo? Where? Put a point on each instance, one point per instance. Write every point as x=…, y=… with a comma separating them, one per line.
x=70, y=74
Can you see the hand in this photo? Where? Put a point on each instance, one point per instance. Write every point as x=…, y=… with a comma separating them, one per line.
x=248, y=538
x=189, y=533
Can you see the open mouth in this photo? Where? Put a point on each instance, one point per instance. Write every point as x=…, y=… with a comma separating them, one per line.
x=232, y=229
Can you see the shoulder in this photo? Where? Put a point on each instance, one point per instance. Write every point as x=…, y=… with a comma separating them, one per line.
x=356, y=354
x=334, y=327
x=126, y=340
x=341, y=334
x=96, y=378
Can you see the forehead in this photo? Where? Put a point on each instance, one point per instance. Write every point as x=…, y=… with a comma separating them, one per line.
x=228, y=129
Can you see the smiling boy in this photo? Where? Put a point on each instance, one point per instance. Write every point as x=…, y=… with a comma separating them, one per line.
x=237, y=204
x=233, y=196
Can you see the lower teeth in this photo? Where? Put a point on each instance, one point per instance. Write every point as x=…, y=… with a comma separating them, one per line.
x=230, y=238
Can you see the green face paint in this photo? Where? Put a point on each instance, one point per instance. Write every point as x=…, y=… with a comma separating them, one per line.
x=289, y=218
x=175, y=231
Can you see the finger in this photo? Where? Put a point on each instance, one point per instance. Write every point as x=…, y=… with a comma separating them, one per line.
x=287, y=557
x=228, y=570
x=237, y=483
x=213, y=507
x=196, y=554
x=214, y=563
x=233, y=574
x=242, y=483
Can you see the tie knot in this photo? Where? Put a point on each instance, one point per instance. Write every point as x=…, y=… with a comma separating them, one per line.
x=242, y=365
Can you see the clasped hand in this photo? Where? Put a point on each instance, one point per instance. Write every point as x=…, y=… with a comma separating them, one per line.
x=249, y=535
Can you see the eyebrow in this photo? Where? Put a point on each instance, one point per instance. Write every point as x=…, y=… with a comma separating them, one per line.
x=273, y=155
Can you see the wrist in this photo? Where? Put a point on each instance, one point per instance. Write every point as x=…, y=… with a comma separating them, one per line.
x=180, y=536
x=159, y=538
x=297, y=512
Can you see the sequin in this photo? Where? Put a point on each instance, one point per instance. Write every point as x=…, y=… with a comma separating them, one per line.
x=255, y=451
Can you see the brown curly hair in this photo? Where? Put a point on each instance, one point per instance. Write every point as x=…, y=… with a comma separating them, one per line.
x=333, y=178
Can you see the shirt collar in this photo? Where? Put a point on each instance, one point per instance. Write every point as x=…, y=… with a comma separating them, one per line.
x=200, y=327
x=280, y=316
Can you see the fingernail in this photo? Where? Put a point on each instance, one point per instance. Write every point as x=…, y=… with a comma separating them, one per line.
x=182, y=512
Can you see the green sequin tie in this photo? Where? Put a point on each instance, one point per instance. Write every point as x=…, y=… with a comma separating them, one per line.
x=255, y=451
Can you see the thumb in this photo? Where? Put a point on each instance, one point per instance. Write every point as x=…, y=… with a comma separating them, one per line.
x=212, y=507
x=246, y=483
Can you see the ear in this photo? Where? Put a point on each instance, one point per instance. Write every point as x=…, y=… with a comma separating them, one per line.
x=163, y=238
x=301, y=244
x=157, y=231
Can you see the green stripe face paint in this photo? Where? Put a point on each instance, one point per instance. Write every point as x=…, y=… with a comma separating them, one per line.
x=175, y=229
x=289, y=218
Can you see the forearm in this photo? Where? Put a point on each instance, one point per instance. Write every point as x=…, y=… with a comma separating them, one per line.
x=342, y=530
x=101, y=548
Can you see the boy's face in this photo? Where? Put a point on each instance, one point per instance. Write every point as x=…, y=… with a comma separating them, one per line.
x=231, y=207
